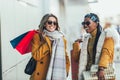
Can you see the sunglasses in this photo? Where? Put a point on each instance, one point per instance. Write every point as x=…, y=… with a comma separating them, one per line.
x=86, y=23
x=52, y=22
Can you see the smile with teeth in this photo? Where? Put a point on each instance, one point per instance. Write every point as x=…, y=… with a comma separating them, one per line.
x=86, y=28
x=51, y=27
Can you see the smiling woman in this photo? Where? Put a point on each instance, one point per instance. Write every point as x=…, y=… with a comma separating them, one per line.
x=97, y=48
x=49, y=50
x=51, y=24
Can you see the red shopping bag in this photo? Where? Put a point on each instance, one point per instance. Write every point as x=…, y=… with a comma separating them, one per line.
x=24, y=46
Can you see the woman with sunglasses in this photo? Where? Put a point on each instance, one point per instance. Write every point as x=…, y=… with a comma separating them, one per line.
x=49, y=50
x=97, y=47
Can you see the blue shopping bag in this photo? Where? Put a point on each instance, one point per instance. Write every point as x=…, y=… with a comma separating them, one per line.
x=14, y=42
x=22, y=43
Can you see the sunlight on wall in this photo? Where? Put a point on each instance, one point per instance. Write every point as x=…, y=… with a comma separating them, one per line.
x=106, y=7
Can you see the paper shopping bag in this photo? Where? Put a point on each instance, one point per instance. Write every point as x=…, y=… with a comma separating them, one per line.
x=24, y=46
x=22, y=43
x=14, y=42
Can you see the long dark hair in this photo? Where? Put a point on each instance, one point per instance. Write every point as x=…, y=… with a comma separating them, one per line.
x=95, y=18
x=99, y=29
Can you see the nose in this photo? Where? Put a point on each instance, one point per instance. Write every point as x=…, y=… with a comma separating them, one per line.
x=85, y=26
x=52, y=24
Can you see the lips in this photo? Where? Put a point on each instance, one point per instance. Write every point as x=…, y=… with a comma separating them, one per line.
x=51, y=28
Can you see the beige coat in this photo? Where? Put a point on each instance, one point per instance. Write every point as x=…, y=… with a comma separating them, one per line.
x=107, y=53
x=42, y=53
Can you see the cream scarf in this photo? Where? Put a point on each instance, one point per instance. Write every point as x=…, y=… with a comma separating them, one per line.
x=57, y=67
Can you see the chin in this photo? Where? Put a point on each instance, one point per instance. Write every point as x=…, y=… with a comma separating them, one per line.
x=87, y=31
x=51, y=30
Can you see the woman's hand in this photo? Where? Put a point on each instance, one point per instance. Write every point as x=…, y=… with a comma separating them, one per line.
x=79, y=40
x=100, y=74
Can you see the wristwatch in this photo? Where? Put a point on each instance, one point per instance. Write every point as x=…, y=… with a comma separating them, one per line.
x=101, y=68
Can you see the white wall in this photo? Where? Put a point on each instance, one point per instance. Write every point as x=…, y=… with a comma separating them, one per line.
x=16, y=19
x=75, y=15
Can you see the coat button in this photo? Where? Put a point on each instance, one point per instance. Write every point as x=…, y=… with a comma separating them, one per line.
x=41, y=62
x=38, y=73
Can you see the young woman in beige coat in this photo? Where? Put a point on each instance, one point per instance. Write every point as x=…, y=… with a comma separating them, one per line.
x=49, y=50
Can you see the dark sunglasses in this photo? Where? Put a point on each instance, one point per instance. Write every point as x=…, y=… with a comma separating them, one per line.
x=86, y=23
x=51, y=22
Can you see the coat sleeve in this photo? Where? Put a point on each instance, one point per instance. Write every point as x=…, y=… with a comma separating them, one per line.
x=76, y=51
x=67, y=57
x=35, y=47
x=107, y=52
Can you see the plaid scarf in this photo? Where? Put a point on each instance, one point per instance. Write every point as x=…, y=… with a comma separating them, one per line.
x=57, y=67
